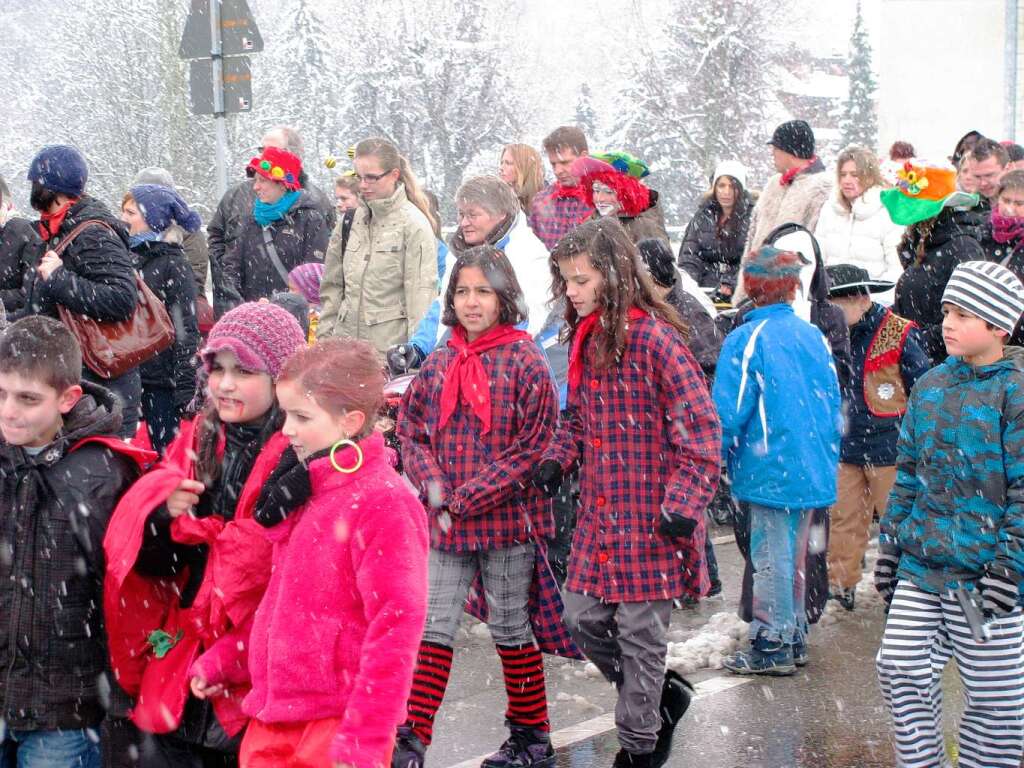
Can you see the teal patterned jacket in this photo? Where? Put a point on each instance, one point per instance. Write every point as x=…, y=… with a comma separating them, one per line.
x=958, y=501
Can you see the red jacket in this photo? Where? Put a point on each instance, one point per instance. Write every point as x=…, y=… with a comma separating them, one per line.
x=154, y=668
x=647, y=437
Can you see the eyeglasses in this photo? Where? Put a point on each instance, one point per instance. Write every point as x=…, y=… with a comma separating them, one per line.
x=371, y=177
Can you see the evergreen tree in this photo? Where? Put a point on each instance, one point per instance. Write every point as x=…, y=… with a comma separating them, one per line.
x=859, y=124
x=586, y=118
x=702, y=97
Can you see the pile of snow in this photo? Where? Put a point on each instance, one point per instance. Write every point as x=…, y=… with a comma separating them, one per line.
x=723, y=634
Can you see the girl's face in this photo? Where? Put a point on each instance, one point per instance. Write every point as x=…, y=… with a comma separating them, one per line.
x=725, y=193
x=605, y=200
x=309, y=427
x=507, y=169
x=584, y=284
x=1011, y=202
x=266, y=190
x=239, y=395
x=130, y=215
x=476, y=304
x=849, y=182
x=345, y=199
x=374, y=182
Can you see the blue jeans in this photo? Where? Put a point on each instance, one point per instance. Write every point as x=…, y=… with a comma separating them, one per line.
x=778, y=553
x=49, y=749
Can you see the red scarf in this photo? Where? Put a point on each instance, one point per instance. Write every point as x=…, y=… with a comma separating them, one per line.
x=788, y=176
x=465, y=375
x=49, y=223
x=579, y=338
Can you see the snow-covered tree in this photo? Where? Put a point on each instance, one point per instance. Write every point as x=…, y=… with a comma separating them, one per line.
x=859, y=123
x=701, y=97
x=447, y=101
x=586, y=118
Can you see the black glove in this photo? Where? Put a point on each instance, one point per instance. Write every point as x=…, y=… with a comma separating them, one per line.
x=286, y=489
x=548, y=477
x=885, y=572
x=676, y=526
x=998, y=588
x=403, y=358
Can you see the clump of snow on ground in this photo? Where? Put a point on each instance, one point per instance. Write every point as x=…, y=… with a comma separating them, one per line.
x=723, y=634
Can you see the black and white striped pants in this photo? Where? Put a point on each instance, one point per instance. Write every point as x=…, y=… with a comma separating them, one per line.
x=923, y=631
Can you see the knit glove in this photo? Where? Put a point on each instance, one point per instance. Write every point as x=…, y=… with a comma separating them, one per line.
x=286, y=489
x=403, y=358
x=998, y=588
x=676, y=526
x=548, y=477
x=885, y=572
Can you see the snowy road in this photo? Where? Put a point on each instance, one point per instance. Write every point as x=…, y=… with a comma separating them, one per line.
x=829, y=715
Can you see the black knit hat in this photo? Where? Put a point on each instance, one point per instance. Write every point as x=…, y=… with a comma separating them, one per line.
x=658, y=257
x=794, y=137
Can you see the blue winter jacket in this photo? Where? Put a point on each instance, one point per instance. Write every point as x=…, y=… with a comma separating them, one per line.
x=777, y=395
x=958, y=501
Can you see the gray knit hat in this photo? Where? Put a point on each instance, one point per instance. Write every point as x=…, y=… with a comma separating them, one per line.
x=988, y=290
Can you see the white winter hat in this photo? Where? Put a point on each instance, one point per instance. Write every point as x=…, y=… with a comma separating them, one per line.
x=733, y=168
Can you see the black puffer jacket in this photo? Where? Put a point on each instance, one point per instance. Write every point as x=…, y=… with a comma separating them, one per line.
x=705, y=341
x=20, y=250
x=929, y=258
x=710, y=257
x=299, y=238
x=233, y=214
x=168, y=274
x=54, y=509
x=97, y=279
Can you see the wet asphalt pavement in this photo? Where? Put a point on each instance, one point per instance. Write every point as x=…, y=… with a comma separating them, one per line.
x=829, y=715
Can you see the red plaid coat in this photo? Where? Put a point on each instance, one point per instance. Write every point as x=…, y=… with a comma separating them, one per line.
x=647, y=437
x=483, y=480
x=551, y=217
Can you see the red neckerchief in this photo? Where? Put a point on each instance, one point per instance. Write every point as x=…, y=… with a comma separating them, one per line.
x=579, y=338
x=561, y=191
x=49, y=223
x=788, y=176
x=466, y=376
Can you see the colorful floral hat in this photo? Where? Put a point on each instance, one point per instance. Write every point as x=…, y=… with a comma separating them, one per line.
x=623, y=162
x=277, y=165
x=921, y=192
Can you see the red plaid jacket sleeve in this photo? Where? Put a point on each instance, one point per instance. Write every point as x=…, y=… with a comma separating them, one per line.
x=694, y=430
x=507, y=474
x=418, y=456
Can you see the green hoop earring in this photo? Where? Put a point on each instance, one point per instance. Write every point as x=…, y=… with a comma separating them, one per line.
x=359, y=456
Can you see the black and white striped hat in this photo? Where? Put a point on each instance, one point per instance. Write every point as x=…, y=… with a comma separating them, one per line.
x=988, y=290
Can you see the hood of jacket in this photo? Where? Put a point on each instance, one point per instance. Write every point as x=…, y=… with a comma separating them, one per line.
x=958, y=371
x=89, y=208
x=865, y=207
x=148, y=251
x=385, y=206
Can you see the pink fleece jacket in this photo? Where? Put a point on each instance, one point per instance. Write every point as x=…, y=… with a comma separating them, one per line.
x=337, y=631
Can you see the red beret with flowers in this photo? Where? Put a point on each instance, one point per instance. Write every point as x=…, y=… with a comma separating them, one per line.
x=277, y=165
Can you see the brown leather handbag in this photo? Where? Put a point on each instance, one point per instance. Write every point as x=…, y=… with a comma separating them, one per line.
x=110, y=349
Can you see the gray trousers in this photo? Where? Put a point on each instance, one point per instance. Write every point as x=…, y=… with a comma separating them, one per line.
x=507, y=575
x=627, y=642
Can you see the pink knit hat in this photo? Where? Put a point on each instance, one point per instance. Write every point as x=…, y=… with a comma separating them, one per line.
x=307, y=277
x=262, y=336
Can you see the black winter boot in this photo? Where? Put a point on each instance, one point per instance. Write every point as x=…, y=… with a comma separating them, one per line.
x=676, y=694
x=524, y=748
x=626, y=759
x=409, y=750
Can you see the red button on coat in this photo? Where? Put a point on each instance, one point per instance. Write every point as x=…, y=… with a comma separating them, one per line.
x=602, y=558
x=596, y=442
x=600, y=501
x=458, y=448
x=594, y=383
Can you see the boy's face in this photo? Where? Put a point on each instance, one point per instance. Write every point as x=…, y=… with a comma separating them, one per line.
x=853, y=307
x=32, y=412
x=969, y=337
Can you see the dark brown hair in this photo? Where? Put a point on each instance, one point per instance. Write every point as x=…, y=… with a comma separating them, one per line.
x=986, y=148
x=626, y=284
x=566, y=137
x=499, y=273
x=901, y=150
x=42, y=349
x=342, y=376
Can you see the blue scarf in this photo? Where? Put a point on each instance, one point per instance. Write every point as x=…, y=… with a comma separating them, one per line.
x=142, y=237
x=267, y=213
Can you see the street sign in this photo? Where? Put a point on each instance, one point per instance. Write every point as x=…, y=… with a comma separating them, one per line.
x=239, y=33
x=237, y=85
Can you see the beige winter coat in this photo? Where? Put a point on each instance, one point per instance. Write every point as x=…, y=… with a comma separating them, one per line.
x=798, y=203
x=381, y=287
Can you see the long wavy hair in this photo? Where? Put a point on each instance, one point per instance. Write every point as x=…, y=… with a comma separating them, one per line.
x=626, y=284
x=529, y=173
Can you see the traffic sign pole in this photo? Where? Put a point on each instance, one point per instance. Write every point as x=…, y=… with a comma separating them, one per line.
x=216, y=54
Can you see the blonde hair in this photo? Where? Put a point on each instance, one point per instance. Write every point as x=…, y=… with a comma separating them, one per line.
x=390, y=159
x=529, y=172
x=349, y=181
x=867, y=169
